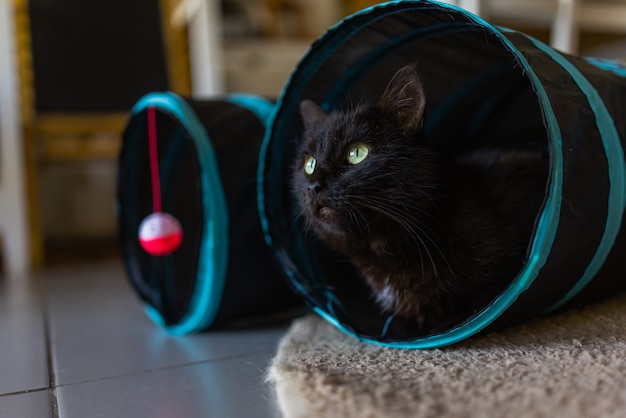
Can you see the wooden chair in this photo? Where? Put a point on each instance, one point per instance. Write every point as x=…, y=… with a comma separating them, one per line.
x=82, y=65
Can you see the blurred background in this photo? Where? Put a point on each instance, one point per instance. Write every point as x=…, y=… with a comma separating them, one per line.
x=70, y=70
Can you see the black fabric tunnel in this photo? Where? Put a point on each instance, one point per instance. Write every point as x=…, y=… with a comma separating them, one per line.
x=485, y=86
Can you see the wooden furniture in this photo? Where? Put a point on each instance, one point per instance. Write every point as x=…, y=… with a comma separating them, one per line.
x=82, y=65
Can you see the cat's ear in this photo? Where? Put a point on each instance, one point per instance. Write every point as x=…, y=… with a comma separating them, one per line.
x=404, y=98
x=311, y=113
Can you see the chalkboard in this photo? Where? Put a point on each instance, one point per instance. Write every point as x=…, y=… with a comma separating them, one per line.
x=95, y=56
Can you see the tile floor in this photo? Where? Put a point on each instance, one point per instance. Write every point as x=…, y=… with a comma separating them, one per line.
x=75, y=343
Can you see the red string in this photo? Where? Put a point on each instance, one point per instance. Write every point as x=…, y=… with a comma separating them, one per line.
x=154, y=160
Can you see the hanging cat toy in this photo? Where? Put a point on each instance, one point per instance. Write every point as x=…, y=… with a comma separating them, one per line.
x=160, y=234
x=189, y=230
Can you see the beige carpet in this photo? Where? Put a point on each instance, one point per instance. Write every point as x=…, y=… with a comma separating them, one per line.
x=569, y=365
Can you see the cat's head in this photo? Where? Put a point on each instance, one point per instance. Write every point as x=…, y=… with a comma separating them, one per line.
x=364, y=172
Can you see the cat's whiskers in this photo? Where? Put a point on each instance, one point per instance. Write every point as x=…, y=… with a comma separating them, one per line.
x=413, y=226
x=413, y=219
x=354, y=213
x=300, y=214
x=352, y=107
x=414, y=231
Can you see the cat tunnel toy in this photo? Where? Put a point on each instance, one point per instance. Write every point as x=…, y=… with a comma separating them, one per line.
x=189, y=229
x=485, y=86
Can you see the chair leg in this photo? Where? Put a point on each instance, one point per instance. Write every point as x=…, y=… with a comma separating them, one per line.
x=565, y=28
x=13, y=229
x=472, y=6
x=32, y=187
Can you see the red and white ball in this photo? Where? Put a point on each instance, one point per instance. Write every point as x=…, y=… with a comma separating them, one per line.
x=160, y=234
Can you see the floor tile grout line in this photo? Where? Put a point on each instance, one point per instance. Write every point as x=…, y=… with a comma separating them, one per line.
x=54, y=404
x=157, y=369
x=24, y=392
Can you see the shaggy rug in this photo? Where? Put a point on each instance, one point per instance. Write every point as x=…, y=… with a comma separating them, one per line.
x=568, y=365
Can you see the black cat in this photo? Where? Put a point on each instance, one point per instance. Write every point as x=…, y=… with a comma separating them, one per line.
x=435, y=237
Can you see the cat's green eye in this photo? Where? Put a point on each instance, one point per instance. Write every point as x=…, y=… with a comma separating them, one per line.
x=357, y=153
x=309, y=164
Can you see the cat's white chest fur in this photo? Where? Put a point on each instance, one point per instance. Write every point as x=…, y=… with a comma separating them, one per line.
x=387, y=297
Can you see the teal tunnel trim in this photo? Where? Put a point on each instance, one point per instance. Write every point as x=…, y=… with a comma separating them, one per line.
x=616, y=167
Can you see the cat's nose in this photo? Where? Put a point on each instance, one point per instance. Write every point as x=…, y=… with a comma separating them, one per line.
x=314, y=187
